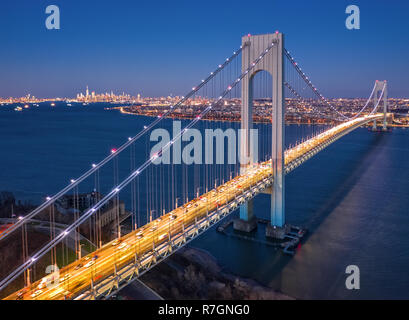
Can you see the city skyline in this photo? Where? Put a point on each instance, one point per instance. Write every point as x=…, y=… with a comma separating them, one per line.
x=136, y=52
x=79, y=96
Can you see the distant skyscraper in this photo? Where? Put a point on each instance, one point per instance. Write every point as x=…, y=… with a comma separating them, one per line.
x=87, y=92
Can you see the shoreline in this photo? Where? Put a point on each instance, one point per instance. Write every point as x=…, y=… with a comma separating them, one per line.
x=123, y=111
x=235, y=119
x=194, y=274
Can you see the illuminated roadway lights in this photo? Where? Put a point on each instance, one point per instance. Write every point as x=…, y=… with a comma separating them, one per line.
x=48, y=198
x=72, y=181
x=94, y=165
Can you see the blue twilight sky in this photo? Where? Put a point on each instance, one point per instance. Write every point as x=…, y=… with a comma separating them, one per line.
x=161, y=47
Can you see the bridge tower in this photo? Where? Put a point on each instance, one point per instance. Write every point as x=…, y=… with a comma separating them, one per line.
x=253, y=47
x=379, y=87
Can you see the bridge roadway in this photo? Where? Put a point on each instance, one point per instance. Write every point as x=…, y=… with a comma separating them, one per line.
x=122, y=260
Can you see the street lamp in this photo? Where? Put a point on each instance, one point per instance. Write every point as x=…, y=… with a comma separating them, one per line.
x=151, y=215
x=79, y=250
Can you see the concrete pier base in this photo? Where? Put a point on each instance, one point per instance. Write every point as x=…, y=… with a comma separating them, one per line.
x=245, y=226
x=380, y=129
x=277, y=232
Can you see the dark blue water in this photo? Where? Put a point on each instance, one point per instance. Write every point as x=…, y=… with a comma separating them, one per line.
x=353, y=197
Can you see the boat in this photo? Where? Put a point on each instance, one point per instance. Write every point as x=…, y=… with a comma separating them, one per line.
x=53, y=104
x=18, y=109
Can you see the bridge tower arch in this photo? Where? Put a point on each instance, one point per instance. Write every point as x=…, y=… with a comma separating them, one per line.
x=381, y=86
x=253, y=46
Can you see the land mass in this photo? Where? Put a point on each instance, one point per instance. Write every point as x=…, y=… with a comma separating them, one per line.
x=194, y=274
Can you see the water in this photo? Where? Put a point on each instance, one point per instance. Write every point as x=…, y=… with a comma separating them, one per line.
x=353, y=197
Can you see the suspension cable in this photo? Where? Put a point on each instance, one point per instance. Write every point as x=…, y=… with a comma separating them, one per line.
x=379, y=100
x=315, y=90
x=309, y=83
x=4, y=282
x=131, y=140
x=294, y=92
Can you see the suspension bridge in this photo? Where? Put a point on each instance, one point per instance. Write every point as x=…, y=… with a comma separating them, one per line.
x=117, y=262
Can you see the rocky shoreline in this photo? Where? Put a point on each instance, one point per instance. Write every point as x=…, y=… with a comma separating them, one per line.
x=193, y=273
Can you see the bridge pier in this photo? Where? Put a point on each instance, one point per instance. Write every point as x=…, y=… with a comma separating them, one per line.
x=374, y=126
x=247, y=221
x=277, y=223
x=277, y=232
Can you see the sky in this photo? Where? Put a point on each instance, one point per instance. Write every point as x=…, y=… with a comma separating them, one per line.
x=160, y=47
